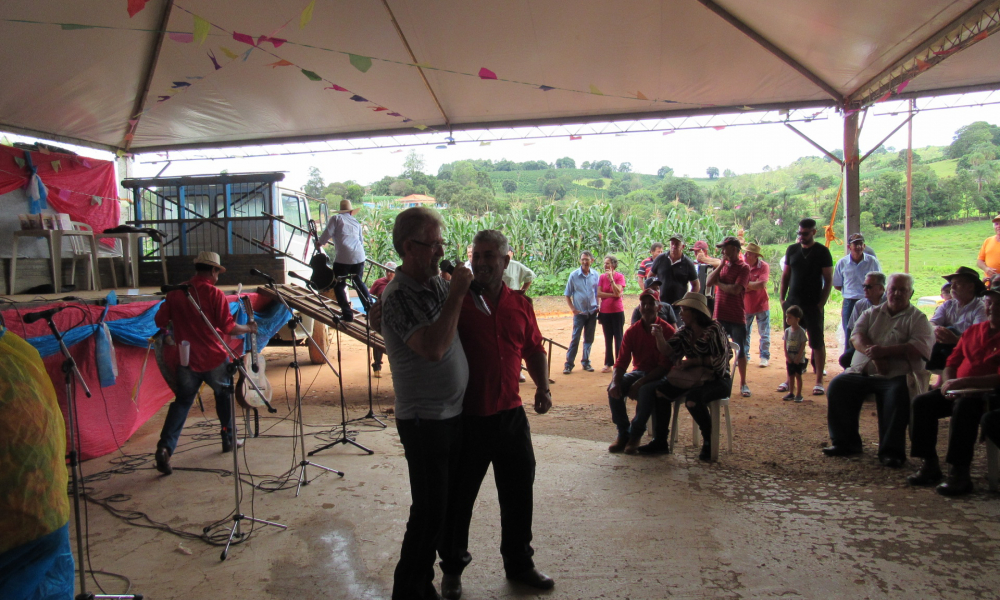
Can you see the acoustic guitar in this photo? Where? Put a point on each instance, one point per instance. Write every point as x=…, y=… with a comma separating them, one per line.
x=322, y=277
x=246, y=395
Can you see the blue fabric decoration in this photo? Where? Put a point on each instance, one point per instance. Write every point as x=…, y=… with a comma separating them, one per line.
x=104, y=354
x=35, y=206
x=39, y=570
x=136, y=331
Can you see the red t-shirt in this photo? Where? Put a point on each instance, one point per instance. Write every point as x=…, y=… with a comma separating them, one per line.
x=729, y=307
x=755, y=301
x=611, y=305
x=377, y=287
x=639, y=348
x=977, y=352
x=206, y=353
x=494, y=346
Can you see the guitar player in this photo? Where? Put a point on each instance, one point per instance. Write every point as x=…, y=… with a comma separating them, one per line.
x=207, y=362
x=345, y=231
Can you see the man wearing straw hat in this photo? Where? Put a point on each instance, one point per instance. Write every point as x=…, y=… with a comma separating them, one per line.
x=345, y=231
x=755, y=302
x=965, y=309
x=208, y=359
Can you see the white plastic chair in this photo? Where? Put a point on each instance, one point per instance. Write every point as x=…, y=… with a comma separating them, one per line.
x=715, y=407
x=81, y=251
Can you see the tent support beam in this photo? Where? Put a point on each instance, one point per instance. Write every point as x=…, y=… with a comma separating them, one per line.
x=815, y=144
x=972, y=26
x=852, y=177
x=413, y=57
x=52, y=137
x=878, y=145
x=147, y=80
x=770, y=47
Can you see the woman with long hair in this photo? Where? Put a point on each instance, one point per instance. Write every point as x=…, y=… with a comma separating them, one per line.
x=610, y=289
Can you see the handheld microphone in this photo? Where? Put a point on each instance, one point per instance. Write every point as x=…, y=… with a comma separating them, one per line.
x=180, y=287
x=260, y=273
x=43, y=314
x=297, y=276
x=475, y=288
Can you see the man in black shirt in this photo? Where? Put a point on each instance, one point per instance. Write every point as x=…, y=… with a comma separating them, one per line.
x=806, y=282
x=674, y=271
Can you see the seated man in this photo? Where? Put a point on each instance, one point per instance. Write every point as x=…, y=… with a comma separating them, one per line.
x=974, y=364
x=956, y=315
x=666, y=311
x=874, y=288
x=649, y=369
x=892, y=341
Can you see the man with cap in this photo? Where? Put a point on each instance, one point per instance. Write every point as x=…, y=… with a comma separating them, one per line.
x=974, y=364
x=675, y=271
x=649, y=367
x=207, y=362
x=849, y=277
x=730, y=280
x=704, y=263
x=666, y=311
x=806, y=281
x=951, y=319
x=345, y=231
x=643, y=271
x=376, y=291
x=989, y=252
x=755, y=302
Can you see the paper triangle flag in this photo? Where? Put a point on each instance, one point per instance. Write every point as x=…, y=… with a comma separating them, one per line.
x=215, y=63
x=576, y=137
x=201, y=29
x=396, y=151
x=119, y=153
x=56, y=165
x=307, y=14
x=133, y=122
x=668, y=132
x=361, y=63
x=183, y=38
x=246, y=54
x=719, y=127
x=393, y=114
x=162, y=98
x=379, y=108
x=134, y=6
x=312, y=76
x=72, y=26
x=922, y=66
x=981, y=36
x=545, y=88
x=229, y=53
x=129, y=137
x=885, y=97
x=337, y=88
x=358, y=98
x=242, y=37
x=901, y=86
x=44, y=150
x=641, y=96
x=530, y=144
x=280, y=63
x=5, y=142
x=180, y=84
x=484, y=143
x=20, y=161
x=420, y=126
x=594, y=90
x=440, y=147
x=96, y=200
x=485, y=73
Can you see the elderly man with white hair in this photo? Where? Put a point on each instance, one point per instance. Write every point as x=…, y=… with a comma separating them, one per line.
x=892, y=341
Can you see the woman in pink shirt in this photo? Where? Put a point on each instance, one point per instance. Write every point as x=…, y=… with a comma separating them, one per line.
x=610, y=288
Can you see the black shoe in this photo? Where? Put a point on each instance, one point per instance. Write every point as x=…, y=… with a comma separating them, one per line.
x=929, y=474
x=534, y=578
x=958, y=483
x=451, y=586
x=163, y=461
x=588, y=368
x=892, y=462
x=655, y=447
x=706, y=453
x=840, y=451
x=347, y=316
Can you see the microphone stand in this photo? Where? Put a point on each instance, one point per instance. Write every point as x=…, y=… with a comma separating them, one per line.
x=368, y=349
x=237, y=362
x=71, y=371
x=295, y=323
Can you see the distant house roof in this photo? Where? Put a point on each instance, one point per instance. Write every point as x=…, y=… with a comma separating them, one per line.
x=417, y=199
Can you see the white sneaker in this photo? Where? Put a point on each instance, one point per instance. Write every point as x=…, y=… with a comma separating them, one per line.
x=764, y=362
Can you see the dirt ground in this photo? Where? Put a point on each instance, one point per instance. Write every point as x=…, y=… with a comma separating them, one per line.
x=770, y=436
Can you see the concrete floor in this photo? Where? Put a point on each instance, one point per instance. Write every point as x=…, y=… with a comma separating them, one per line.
x=606, y=526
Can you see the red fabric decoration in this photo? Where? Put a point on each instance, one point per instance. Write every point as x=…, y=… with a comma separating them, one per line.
x=337, y=88
x=242, y=37
x=485, y=73
x=135, y=6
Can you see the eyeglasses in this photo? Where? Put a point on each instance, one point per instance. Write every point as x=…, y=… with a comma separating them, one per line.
x=868, y=286
x=434, y=246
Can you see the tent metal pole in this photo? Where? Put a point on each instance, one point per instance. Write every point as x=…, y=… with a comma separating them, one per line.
x=909, y=189
x=852, y=177
x=140, y=101
x=413, y=57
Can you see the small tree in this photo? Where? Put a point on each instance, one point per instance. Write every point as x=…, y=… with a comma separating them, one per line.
x=606, y=171
x=728, y=173
x=509, y=186
x=315, y=186
x=565, y=163
x=665, y=172
x=625, y=167
x=712, y=172
x=414, y=163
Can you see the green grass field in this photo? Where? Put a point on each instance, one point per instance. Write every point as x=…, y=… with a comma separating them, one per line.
x=944, y=168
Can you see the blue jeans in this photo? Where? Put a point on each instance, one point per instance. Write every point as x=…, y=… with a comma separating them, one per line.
x=188, y=383
x=845, y=315
x=619, y=415
x=586, y=324
x=648, y=404
x=764, y=329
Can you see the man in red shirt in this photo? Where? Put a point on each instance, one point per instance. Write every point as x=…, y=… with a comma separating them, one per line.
x=973, y=364
x=207, y=363
x=494, y=425
x=376, y=292
x=732, y=278
x=649, y=368
x=755, y=302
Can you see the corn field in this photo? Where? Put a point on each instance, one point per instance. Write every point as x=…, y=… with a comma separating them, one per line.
x=550, y=240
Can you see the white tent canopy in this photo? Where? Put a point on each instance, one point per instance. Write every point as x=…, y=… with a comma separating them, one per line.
x=80, y=71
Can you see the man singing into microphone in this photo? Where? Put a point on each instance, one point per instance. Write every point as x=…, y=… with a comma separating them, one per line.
x=494, y=425
x=207, y=362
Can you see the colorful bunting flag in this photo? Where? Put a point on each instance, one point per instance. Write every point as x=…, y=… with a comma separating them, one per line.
x=393, y=114
x=280, y=63
x=229, y=53
x=545, y=88
x=641, y=96
x=312, y=76
x=162, y=98
x=96, y=200
x=358, y=98
x=594, y=90
x=396, y=151
x=485, y=73
x=530, y=144
x=407, y=120
x=337, y=88
x=20, y=161
x=72, y=26
x=719, y=127
x=276, y=42
x=64, y=194
x=379, y=108
x=981, y=36
x=885, y=97
x=183, y=38
x=215, y=63
x=484, y=143
x=119, y=153
x=244, y=38
x=5, y=142
x=129, y=137
x=668, y=132
x=307, y=15
x=44, y=150
x=575, y=137
x=180, y=84
x=134, y=6
x=85, y=163
x=420, y=126
x=361, y=63
x=56, y=165
x=246, y=54
x=946, y=52
x=133, y=123
x=902, y=86
x=201, y=29
x=922, y=66
x=441, y=147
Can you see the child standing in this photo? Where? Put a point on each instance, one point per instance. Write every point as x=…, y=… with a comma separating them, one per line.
x=795, y=353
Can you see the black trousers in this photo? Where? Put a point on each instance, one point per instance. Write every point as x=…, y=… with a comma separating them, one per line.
x=846, y=396
x=613, y=326
x=340, y=288
x=431, y=448
x=503, y=440
x=965, y=414
x=991, y=426
x=939, y=356
x=700, y=396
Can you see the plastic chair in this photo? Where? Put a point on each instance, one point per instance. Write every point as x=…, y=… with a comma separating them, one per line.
x=715, y=407
x=81, y=251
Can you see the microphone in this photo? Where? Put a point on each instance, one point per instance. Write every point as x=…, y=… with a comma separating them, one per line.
x=43, y=314
x=180, y=287
x=297, y=276
x=260, y=273
x=475, y=288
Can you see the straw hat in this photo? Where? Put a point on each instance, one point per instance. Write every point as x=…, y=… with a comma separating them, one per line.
x=753, y=248
x=345, y=207
x=209, y=258
x=971, y=274
x=695, y=301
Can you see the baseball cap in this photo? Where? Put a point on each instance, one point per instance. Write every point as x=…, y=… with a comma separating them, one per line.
x=649, y=293
x=701, y=245
x=729, y=241
x=856, y=237
x=678, y=237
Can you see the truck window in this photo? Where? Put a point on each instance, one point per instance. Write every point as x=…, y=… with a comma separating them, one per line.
x=292, y=212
